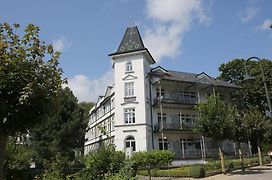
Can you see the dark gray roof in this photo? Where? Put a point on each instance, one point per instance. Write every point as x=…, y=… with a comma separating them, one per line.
x=131, y=41
x=191, y=78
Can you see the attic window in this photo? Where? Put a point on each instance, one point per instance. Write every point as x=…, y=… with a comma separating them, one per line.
x=129, y=66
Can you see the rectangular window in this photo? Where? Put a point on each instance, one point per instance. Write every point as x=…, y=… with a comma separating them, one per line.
x=187, y=120
x=162, y=93
x=129, y=89
x=129, y=116
x=128, y=66
x=187, y=97
x=163, y=143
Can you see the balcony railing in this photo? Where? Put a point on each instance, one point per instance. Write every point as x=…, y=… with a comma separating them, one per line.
x=174, y=126
x=177, y=100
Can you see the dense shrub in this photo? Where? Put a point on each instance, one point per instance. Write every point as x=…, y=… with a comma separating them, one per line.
x=105, y=161
x=126, y=173
x=151, y=159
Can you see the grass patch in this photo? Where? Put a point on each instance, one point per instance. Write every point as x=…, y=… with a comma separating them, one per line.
x=195, y=171
x=200, y=170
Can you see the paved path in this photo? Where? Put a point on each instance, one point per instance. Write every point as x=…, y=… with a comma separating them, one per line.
x=253, y=173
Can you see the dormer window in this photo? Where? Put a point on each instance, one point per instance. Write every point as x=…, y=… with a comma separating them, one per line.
x=129, y=66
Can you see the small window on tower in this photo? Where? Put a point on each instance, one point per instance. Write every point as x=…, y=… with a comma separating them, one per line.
x=129, y=66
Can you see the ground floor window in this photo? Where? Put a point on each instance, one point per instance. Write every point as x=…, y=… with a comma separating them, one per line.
x=190, y=143
x=163, y=144
x=130, y=142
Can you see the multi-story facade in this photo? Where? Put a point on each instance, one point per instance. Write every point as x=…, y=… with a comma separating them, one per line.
x=151, y=107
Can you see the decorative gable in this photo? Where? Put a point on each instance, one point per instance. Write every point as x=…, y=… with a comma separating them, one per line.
x=159, y=69
x=129, y=77
x=205, y=79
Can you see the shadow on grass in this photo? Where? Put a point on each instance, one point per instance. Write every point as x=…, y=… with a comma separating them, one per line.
x=253, y=170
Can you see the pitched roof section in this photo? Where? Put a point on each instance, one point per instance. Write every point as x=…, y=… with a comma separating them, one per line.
x=191, y=78
x=131, y=41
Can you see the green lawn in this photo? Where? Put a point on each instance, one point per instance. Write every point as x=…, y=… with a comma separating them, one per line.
x=202, y=170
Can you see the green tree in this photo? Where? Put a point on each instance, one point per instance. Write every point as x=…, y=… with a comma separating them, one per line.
x=253, y=93
x=63, y=132
x=238, y=133
x=18, y=158
x=215, y=121
x=256, y=126
x=29, y=81
x=85, y=107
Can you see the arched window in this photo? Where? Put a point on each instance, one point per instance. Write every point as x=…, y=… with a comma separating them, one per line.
x=130, y=142
x=128, y=66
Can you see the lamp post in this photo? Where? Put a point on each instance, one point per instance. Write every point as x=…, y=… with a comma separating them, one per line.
x=248, y=77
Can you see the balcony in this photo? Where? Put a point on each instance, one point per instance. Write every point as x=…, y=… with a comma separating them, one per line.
x=174, y=127
x=176, y=100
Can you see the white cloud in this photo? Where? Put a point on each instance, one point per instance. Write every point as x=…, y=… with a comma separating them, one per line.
x=60, y=44
x=265, y=25
x=86, y=89
x=248, y=14
x=171, y=20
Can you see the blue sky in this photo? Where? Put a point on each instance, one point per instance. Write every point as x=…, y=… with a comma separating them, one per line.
x=183, y=35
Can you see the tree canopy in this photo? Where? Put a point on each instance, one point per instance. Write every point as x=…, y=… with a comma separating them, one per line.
x=255, y=124
x=30, y=79
x=251, y=93
x=63, y=132
x=215, y=118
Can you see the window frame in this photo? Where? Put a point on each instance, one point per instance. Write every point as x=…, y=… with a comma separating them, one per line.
x=129, y=116
x=129, y=67
x=130, y=142
x=129, y=89
x=165, y=144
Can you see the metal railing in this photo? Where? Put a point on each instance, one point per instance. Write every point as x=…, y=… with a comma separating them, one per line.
x=174, y=126
x=176, y=100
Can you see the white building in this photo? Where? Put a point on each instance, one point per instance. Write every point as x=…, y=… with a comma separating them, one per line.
x=130, y=112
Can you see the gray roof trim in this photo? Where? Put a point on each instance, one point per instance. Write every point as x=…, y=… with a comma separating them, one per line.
x=145, y=50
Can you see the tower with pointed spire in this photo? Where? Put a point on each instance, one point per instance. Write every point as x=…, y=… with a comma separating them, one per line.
x=132, y=108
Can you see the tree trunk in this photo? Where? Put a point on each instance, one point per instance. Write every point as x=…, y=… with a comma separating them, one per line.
x=260, y=156
x=149, y=171
x=3, y=144
x=259, y=152
x=241, y=158
x=221, y=154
